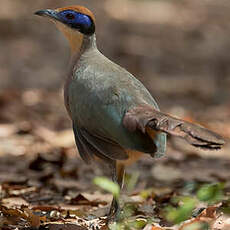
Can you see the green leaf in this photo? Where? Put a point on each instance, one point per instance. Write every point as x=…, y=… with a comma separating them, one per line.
x=137, y=224
x=108, y=185
x=183, y=212
x=212, y=193
x=131, y=180
x=129, y=210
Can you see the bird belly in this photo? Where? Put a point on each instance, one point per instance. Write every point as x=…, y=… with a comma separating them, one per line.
x=133, y=157
x=136, y=155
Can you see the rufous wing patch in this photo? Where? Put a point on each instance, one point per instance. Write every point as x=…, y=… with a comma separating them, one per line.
x=145, y=116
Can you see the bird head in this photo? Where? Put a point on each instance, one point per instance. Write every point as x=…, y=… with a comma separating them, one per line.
x=74, y=22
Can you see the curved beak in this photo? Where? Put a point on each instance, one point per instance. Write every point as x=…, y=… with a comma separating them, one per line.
x=48, y=13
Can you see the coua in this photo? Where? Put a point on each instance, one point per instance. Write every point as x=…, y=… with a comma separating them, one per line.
x=114, y=117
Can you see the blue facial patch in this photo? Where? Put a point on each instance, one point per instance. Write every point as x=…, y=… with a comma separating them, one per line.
x=75, y=19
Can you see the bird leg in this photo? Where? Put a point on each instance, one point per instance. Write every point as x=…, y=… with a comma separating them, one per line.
x=117, y=171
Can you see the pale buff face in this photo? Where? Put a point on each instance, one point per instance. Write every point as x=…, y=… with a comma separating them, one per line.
x=74, y=37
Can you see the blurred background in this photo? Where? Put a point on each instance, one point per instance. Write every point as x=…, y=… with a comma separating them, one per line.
x=180, y=49
x=175, y=47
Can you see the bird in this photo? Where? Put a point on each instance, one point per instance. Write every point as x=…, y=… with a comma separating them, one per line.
x=114, y=117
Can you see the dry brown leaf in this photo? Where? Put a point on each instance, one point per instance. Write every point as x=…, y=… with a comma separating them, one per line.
x=152, y=227
x=98, y=196
x=21, y=191
x=209, y=212
x=45, y=208
x=65, y=227
x=156, y=228
x=34, y=220
x=13, y=202
x=12, y=212
x=207, y=216
x=82, y=200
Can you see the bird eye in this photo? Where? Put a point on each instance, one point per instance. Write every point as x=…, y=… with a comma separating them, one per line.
x=70, y=16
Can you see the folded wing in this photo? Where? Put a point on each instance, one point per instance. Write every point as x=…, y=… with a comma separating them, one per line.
x=91, y=145
x=145, y=116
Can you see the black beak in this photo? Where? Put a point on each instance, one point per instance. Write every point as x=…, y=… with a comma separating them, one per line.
x=47, y=13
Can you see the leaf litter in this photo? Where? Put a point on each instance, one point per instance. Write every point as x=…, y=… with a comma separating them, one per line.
x=44, y=184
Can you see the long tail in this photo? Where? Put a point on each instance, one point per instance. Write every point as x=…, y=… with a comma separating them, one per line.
x=145, y=116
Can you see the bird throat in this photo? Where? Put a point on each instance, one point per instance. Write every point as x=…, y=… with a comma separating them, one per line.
x=74, y=37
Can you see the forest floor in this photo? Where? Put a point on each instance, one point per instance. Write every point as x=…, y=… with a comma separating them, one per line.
x=180, y=51
x=45, y=185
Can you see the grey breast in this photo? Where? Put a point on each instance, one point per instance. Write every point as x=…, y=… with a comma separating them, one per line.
x=99, y=95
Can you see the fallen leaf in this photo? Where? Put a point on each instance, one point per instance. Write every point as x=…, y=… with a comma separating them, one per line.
x=13, y=202
x=65, y=227
x=33, y=219
x=82, y=200
x=152, y=227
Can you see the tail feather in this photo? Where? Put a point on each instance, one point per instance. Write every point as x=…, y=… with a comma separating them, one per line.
x=145, y=116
